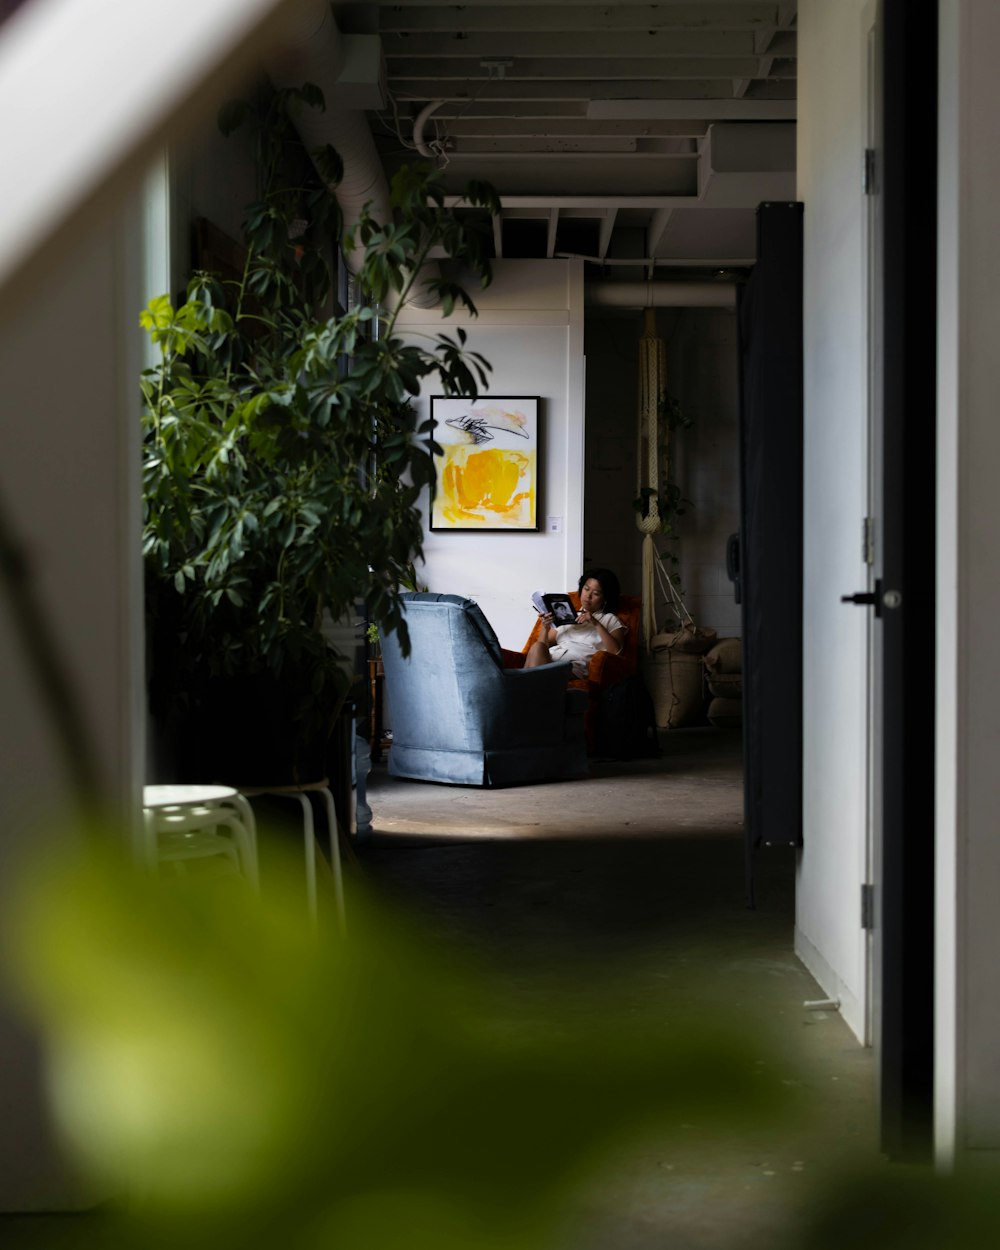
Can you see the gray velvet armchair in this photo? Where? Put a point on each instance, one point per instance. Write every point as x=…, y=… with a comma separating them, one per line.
x=459, y=716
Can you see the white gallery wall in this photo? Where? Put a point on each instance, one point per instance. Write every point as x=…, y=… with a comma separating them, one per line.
x=530, y=329
x=831, y=141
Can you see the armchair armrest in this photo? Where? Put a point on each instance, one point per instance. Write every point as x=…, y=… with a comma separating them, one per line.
x=606, y=669
x=533, y=707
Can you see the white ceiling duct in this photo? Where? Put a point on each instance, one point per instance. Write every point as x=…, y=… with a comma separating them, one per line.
x=661, y=294
x=317, y=55
x=419, y=122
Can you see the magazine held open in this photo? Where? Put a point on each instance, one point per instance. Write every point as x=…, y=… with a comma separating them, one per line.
x=559, y=606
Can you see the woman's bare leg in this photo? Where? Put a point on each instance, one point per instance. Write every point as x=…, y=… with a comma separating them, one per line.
x=538, y=653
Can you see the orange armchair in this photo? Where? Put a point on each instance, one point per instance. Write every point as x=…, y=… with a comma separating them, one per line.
x=604, y=670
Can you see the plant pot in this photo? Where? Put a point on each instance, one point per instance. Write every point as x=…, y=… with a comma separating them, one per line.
x=253, y=731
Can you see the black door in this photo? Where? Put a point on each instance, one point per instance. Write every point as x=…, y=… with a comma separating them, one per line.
x=904, y=910
x=770, y=539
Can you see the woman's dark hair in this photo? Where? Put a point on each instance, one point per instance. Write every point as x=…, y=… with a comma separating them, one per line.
x=609, y=585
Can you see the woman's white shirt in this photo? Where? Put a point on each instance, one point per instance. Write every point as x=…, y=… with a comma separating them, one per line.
x=579, y=642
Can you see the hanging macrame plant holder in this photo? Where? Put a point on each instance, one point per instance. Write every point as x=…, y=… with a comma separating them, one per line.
x=673, y=665
x=686, y=636
x=652, y=389
x=674, y=671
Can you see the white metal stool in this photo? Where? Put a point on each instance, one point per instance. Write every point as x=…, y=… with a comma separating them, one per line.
x=301, y=793
x=183, y=821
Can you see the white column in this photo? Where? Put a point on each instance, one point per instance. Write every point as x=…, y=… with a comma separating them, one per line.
x=967, y=1039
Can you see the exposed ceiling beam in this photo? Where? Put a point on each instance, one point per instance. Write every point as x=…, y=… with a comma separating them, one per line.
x=611, y=149
x=529, y=110
x=561, y=101
x=589, y=67
x=491, y=145
x=660, y=92
x=416, y=18
x=713, y=110
x=568, y=128
x=597, y=202
x=572, y=43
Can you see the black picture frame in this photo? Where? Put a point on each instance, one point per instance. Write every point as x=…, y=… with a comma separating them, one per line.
x=487, y=473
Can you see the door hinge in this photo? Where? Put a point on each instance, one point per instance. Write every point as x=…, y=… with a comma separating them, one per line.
x=868, y=172
x=867, y=906
x=868, y=540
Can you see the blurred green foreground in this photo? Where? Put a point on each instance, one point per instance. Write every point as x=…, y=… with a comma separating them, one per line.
x=234, y=1080
x=239, y=1081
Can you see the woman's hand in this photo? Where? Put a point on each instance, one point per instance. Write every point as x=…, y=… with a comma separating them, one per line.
x=548, y=629
x=584, y=617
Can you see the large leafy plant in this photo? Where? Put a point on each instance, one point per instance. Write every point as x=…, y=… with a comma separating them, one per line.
x=283, y=458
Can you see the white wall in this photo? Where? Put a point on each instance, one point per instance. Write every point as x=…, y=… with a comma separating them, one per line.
x=69, y=477
x=831, y=141
x=530, y=329
x=967, y=1007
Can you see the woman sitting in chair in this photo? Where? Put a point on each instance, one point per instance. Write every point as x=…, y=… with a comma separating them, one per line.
x=596, y=627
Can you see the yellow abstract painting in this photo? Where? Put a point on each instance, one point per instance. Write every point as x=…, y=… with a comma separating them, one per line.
x=486, y=473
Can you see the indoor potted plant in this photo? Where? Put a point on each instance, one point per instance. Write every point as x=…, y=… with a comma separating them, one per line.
x=283, y=460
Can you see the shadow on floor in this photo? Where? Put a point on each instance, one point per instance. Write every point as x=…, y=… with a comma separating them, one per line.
x=625, y=893
x=621, y=897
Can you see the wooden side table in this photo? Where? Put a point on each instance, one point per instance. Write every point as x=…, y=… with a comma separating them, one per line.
x=378, y=740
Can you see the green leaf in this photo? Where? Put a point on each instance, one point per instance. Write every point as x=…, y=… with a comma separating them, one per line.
x=329, y=163
x=279, y=443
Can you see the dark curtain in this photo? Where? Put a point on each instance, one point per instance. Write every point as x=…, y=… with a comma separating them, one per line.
x=770, y=556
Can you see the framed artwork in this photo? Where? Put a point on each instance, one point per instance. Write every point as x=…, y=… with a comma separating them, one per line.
x=486, y=474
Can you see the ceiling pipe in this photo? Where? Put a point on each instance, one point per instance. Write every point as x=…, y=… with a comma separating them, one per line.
x=315, y=54
x=419, y=122
x=660, y=294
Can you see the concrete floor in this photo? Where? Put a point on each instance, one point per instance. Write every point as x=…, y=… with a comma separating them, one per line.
x=622, y=896
x=622, y=892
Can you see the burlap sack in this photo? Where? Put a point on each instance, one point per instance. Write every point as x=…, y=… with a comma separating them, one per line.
x=726, y=656
x=674, y=680
x=689, y=639
x=725, y=685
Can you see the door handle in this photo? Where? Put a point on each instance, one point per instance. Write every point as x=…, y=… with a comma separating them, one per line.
x=866, y=598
